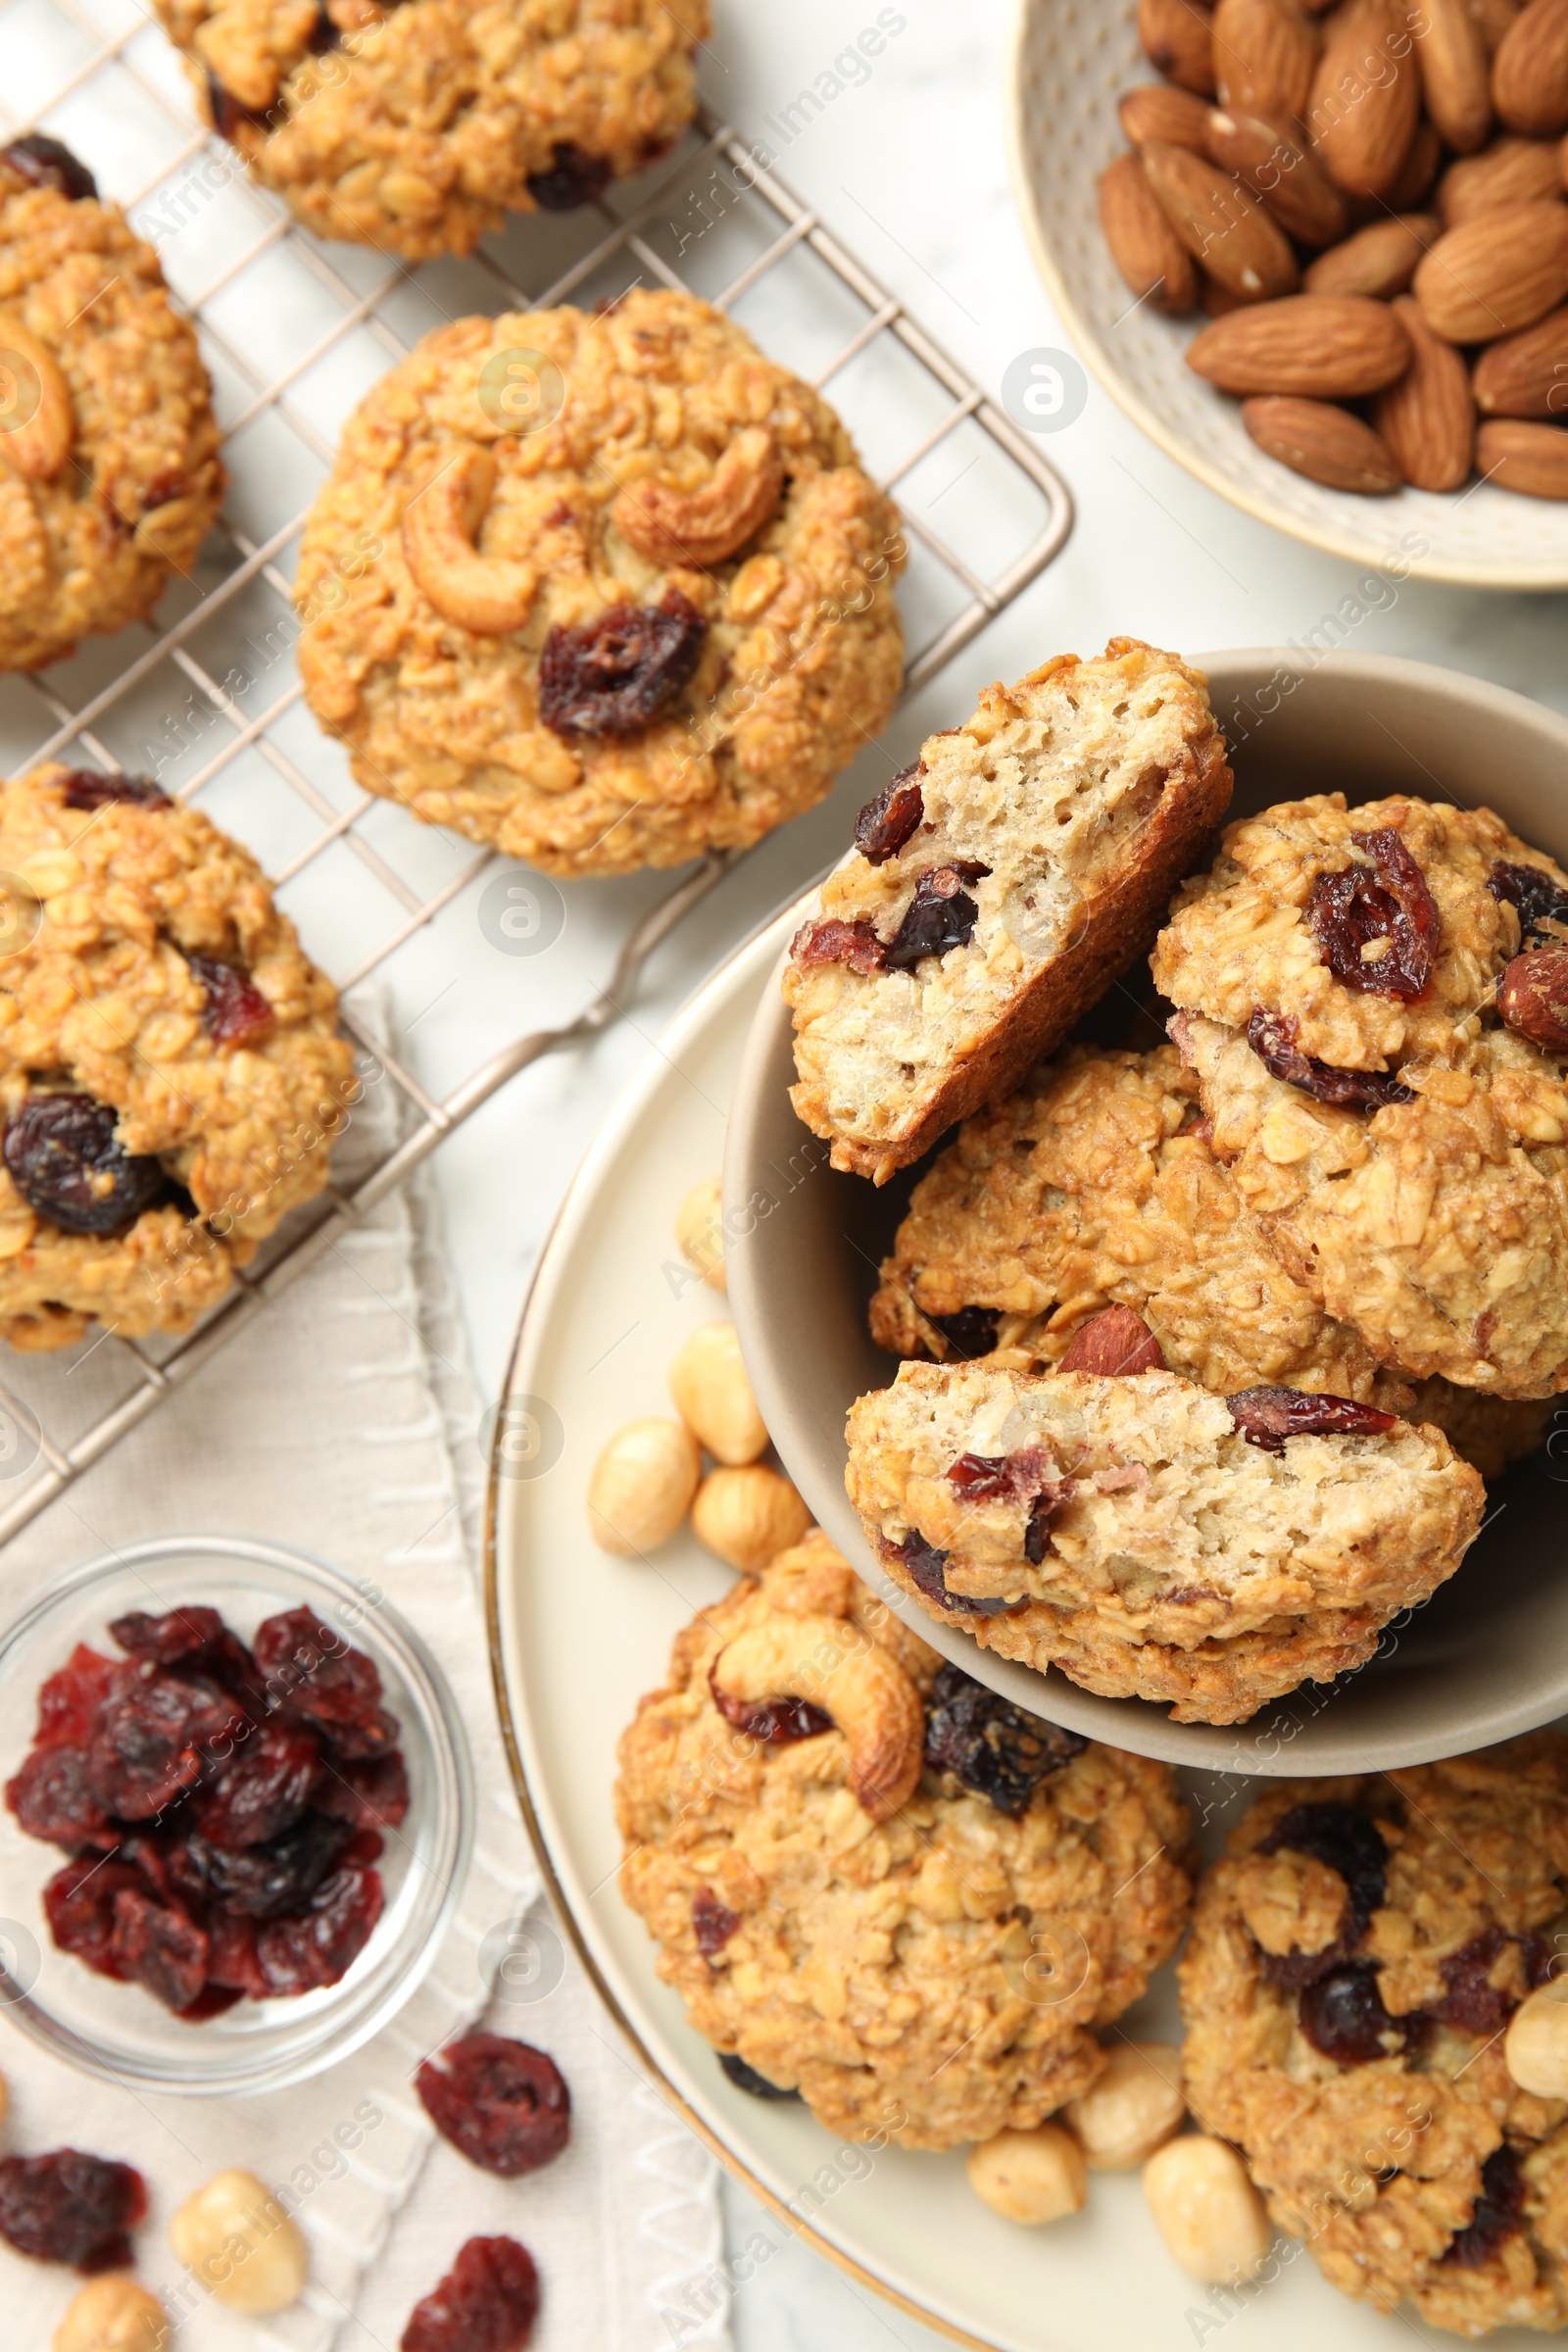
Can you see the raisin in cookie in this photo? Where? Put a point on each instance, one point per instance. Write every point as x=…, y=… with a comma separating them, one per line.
x=109, y=468
x=171, y=1075
x=998, y=888
x=1368, y=995
x=417, y=128
x=878, y=1885
x=658, y=624
x=1151, y=1538
x=1353, y=1966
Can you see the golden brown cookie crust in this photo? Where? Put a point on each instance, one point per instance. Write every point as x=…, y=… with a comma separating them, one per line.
x=802, y=654
x=89, y=546
x=878, y=1967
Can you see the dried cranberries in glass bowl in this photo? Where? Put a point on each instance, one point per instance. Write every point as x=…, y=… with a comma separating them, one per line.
x=239, y=1815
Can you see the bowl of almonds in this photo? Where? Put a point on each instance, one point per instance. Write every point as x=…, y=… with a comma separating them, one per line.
x=1320, y=254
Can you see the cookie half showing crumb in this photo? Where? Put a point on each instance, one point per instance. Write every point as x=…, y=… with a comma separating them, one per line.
x=876, y=1885
x=998, y=888
x=1151, y=1538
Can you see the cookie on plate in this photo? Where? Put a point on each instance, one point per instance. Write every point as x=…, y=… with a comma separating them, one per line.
x=656, y=617
x=1353, y=1968
x=171, y=1073
x=1370, y=998
x=108, y=466
x=417, y=128
x=876, y=1884
x=997, y=888
x=1151, y=1538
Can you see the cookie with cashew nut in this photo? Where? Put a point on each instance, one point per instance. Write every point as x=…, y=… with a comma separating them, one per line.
x=874, y=1883
x=1355, y=1963
x=109, y=467
x=602, y=590
x=171, y=1079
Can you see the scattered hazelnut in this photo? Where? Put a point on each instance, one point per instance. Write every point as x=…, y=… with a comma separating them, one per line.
x=240, y=2242
x=1537, y=2045
x=1207, y=2209
x=113, y=2315
x=1132, y=2109
x=700, y=1230
x=1533, y=998
x=713, y=1396
x=1034, y=2176
x=748, y=1516
x=642, y=1485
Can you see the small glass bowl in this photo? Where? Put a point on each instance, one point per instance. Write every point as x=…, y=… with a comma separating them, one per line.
x=121, y=2031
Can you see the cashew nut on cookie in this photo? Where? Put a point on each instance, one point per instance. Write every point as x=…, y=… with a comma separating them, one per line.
x=832, y=1665
x=487, y=594
x=37, y=423
x=671, y=526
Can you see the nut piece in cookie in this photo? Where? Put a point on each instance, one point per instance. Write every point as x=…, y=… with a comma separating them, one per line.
x=1350, y=1989
x=874, y=1884
x=1151, y=1538
x=997, y=890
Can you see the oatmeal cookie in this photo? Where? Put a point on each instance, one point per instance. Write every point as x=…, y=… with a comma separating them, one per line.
x=1368, y=997
x=657, y=625
x=417, y=128
x=109, y=467
x=998, y=888
x=1151, y=1538
x=863, y=1870
x=1353, y=1963
x=170, y=1074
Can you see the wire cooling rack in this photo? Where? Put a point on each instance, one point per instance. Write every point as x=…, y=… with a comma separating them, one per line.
x=294, y=334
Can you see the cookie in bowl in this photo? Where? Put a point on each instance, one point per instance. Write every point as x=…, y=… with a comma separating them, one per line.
x=1373, y=2019
x=648, y=615
x=109, y=467
x=997, y=888
x=1375, y=1001
x=1151, y=1539
x=875, y=1883
x=171, y=1072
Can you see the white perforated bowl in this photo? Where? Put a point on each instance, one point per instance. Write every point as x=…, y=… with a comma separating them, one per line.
x=1071, y=60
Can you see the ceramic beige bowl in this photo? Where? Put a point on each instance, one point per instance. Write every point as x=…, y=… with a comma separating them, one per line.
x=1071, y=60
x=1489, y=1655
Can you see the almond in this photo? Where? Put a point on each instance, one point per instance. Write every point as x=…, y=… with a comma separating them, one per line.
x=1533, y=998
x=1218, y=301
x=1221, y=223
x=1319, y=346
x=1379, y=259
x=1115, y=1344
x=1530, y=72
x=1274, y=160
x=1532, y=459
x=1178, y=41
x=1427, y=418
x=1325, y=443
x=1455, y=75
x=1144, y=246
x=1491, y=19
x=1155, y=111
x=1265, y=54
x=1366, y=96
x=1417, y=173
x=1500, y=271
x=1510, y=172
x=1527, y=375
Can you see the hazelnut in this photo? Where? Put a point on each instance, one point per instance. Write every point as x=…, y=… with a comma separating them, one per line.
x=1536, y=2047
x=1207, y=2209
x=713, y=1396
x=113, y=2315
x=1533, y=998
x=1115, y=1342
x=240, y=2243
x=1034, y=2176
x=1132, y=2109
x=700, y=1230
x=642, y=1485
x=748, y=1516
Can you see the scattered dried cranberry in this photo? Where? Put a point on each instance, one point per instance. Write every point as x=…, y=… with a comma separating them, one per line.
x=1541, y=901
x=502, y=2104
x=69, y=1702
x=1470, y=2001
x=1386, y=902
x=747, y=2078
x=79, y=1905
x=227, y=112
x=159, y=1947
x=235, y=1012
x=989, y=1745
x=574, y=179
x=940, y=918
x=1267, y=1416
x=1114, y=1345
x=778, y=1721
x=1273, y=1040
x=487, y=2302
x=311, y=1666
x=854, y=944
x=368, y=1794
x=265, y=1882
x=1497, y=2214
x=164, y=1640
x=318, y=1945
x=52, y=1797
x=325, y=34
x=924, y=1566
x=1342, y=2016
x=1343, y=1839
x=886, y=823
x=970, y=1333
x=265, y=1789
x=712, y=1923
x=613, y=675
x=90, y=788
x=67, y=1164
x=1027, y=1477
x=44, y=162
x=155, y=1740
x=67, y=2207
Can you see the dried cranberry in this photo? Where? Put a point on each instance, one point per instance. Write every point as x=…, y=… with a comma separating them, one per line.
x=321, y=1944
x=67, y=2207
x=1114, y=1345
x=712, y=1923
x=1272, y=1039
x=44, y=162
x=325, y=34
x=1386, y=902
x=1012, y=1477
x=924, y=1566
x=67, y=1162
x=778, y=1721
x=970, y=1333
x=265, y=1788
x=367, y=1794
x=265, y=1882
x=365, y=1742
x=940, y=918
x=305, y=1662
x=487, y=2302
x=854, y=944
x=1470, y=2001
x=155, y=1740
x=989, y=1745
x=235, y=1012
x=90, y=788
x=227, y=112
x=163, y=1640
x=1342, y=2016
x=159, y=1947
x=79, y=1905
x=746, y=2078
x=1497, y=2214
x=1541, y=901
x=231, y=1961
x=70, y=1701
x=613, y=675
x=52, y=1797
x=501, y=2103
x=574, y=177
x=1343, y=1839
x=886, y=823
x=1267, y=1416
